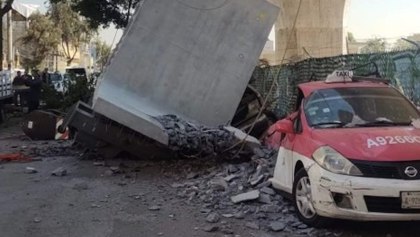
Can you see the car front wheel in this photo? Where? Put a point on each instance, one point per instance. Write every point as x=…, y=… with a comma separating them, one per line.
x=303, y=201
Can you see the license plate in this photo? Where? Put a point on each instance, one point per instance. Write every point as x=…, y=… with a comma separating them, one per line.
x=410, y=200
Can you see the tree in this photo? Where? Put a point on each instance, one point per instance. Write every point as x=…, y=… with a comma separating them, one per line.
x=374, y=46
x=103, y=52
x=350, y=37
x=40, y=40
x=401, y=44
x=74, y=30
x=104, y=12
x=5, y=7
x=410, y=42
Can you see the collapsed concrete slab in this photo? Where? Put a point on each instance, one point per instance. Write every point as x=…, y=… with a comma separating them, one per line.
x=190, y=58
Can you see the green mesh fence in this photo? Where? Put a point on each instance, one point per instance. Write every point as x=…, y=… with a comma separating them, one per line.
x=402, y=68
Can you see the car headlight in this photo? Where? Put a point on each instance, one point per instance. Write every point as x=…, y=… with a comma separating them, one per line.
x=331, y=160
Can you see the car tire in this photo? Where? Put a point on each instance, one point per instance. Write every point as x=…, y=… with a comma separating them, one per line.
x=302, y=200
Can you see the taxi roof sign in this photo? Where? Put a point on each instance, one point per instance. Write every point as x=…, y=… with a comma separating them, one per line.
x=340, y=76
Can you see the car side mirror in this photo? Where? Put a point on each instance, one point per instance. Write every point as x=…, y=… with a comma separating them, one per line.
x=285, y=126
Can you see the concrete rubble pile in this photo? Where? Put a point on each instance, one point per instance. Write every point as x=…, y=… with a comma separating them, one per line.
x=195, y=140
x=242, y=191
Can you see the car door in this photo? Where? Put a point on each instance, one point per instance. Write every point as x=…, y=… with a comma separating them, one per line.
x=284, y=170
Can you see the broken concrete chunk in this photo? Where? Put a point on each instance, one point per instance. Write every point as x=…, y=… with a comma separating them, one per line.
x=277, y=226
x=219, y=184
x=115, y=169
x=228, y=215
x=252, y=225
x=257, y=180
x=99, y=163
x=265, y=198
x=154, y=208
x=239, y=215
x=249, y=196
x=211, y=228
x=230, y=177
x=268, y=190
x=213, y=218
x=59, y=172
x=270, y=208
x=259, y=152
x=31, y=170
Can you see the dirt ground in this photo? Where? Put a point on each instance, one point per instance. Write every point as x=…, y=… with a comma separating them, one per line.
x=137, y=199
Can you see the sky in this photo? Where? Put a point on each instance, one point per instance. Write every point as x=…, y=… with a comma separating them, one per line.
x=390, y=19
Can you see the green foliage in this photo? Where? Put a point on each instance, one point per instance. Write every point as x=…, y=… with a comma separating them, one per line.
x=103, y=12
x=40, y=40
x=350, y=37
x=103, y=51
x=376, y=45
x=74, y=31
x=401, y=44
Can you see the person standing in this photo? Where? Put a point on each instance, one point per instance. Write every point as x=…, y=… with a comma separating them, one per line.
x=44, y=76
x=34, y=95
x=18, y=84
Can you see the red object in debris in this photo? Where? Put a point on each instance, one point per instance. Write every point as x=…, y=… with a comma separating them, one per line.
x=14, y=157
x=274, y=137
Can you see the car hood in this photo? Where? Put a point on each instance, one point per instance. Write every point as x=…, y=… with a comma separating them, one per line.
x=372, y=144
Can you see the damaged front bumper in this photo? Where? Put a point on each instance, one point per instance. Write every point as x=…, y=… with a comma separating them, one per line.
x=360, y=198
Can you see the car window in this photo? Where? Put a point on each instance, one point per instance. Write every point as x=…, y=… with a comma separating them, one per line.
x=358, y=106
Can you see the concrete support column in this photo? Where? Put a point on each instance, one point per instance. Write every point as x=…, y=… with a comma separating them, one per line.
x=320, y=29
x=10, y=39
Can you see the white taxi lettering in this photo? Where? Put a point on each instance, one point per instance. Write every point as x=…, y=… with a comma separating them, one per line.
x=391, y=140
x=371, y=143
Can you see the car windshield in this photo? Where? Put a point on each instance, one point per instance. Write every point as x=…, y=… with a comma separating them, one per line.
x=358, y=107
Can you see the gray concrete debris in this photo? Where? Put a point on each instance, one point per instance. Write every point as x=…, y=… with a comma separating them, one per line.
x=257, y=180
x=59, y=172
x=239, y=215
x=277, y=226
x=270, y=208
x=115, y=169
x=302, y=226
x=213, y=218
x=231, y=169
x=192, y=176
x=154, y=208
x=252, y=225
x=81, y=186
x=99, y=163
x=31, y=170
x=219, y=184
x=210, y=228
x=249, y=196
x=268, y=190
x=193, y=139
x=259, y=152
x=230, y=177
x=265, y=198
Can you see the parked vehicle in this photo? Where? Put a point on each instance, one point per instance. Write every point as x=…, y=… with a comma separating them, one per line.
x=77, y=73
x=56, y=80
x=350, y=151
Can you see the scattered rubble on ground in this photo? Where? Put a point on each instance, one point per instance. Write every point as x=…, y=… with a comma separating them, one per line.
x=59, y=172
x=31, y=170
